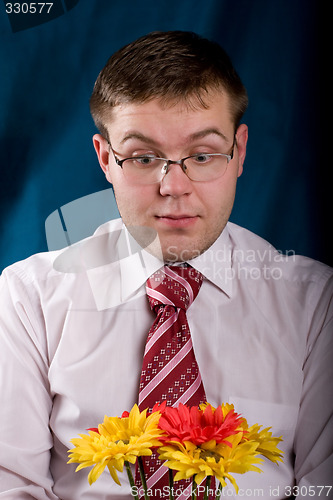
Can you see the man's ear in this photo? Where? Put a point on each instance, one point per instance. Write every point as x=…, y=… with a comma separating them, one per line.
x=241, y=141
x=102, y=149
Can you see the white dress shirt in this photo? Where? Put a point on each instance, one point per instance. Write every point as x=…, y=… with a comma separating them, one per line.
x=73, y=326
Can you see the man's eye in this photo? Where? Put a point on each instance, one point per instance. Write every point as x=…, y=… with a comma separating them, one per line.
x=201, y=157
x=144, y=160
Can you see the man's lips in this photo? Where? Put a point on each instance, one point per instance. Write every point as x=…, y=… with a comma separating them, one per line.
x=176, y=216
x=177, y=220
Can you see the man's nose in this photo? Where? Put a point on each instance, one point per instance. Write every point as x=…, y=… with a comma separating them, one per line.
x=175, y=182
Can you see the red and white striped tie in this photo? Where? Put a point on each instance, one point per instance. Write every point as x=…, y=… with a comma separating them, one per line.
x=170, y=372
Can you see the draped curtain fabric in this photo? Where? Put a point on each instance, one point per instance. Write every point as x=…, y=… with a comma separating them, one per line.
x=48, y=70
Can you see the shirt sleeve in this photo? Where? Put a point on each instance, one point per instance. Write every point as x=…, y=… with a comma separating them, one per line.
x=25, y=437
x=314, y=433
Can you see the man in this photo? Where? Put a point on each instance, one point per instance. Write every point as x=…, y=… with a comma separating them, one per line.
x=74, y=324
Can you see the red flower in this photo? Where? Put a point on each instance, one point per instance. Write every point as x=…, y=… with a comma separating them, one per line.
x=159, y=407
x=198, y=425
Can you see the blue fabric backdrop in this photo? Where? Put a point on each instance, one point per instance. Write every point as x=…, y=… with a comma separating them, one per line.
x=47, y=74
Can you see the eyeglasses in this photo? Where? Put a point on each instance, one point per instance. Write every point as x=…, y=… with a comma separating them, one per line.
x=150, y=169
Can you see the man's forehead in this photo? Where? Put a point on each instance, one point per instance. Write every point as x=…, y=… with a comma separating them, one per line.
x=143, y=121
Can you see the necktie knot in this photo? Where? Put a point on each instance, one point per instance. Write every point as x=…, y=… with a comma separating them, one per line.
x=175, y=286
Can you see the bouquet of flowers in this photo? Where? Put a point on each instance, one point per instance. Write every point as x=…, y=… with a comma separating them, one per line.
x=196, y=442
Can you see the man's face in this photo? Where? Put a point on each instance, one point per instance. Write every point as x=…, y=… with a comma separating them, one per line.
x=187, y=215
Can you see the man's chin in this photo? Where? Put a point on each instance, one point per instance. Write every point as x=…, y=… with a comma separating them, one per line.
x=168, y=249
x=172, y=253
x=177, y=253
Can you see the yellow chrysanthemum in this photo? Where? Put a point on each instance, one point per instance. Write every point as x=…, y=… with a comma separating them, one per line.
x=267, y=442
x=117, y=440
x=211, y=459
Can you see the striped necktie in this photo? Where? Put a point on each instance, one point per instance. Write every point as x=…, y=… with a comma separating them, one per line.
x=170, y=372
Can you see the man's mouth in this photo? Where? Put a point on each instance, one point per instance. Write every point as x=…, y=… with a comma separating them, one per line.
x=177, y=220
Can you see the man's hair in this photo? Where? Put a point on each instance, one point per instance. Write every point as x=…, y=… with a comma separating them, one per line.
x=172, y=66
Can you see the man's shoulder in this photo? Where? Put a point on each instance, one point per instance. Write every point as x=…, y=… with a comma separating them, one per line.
x=37, y=266
x=254, y=252
x=65, y=261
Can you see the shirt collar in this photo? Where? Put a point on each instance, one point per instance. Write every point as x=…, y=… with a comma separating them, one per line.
x=214, y=264
x=135, y=270
x=123, y=279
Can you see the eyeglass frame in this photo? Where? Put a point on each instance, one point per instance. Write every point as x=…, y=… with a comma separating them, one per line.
x=168, y=162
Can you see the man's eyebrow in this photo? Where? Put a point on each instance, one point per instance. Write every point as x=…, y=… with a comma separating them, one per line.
x=138, y=136
x=201, y=134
